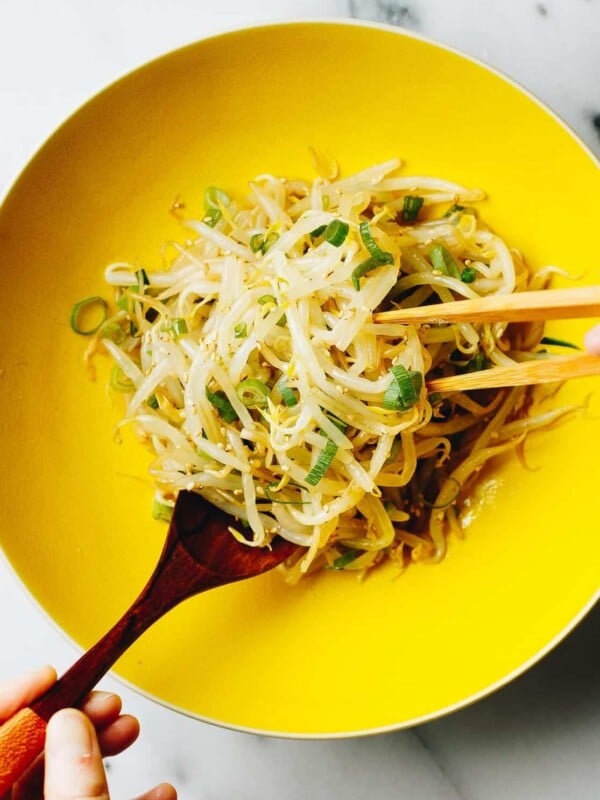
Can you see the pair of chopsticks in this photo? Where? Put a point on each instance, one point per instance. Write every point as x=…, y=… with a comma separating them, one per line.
x=518, y=307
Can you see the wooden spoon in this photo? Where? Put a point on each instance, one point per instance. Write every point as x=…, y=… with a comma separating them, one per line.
x=199, y=553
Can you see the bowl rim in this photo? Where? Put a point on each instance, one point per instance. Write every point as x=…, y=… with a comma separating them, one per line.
x=5, y=192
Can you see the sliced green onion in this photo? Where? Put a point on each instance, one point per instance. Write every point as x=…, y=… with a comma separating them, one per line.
x=119, y=381
x=215, y=198
x=219, y=400
x=287, y=395
x=253, y=393
x=282, y=321
x=153, y=402
x=362, y=269
x=558, y=342
x=256, y=242
x=435, y=398
x=378, y=257
x=241, y=330
x=411, y=207
x=178, y=327
x=123, y=302
x=142, y=280
x=162, y=511
x=382, y=256
x=267, y=298
x=260, y=243
x=395, y=450
x=270, y=497
x=453, y=208
x=477, y=363
x=346, y=558
x=468, y=275
x=403, y=392
x=212, y=216
x=322, y=463
x=114, y=332
x=335, y=233
x=339, y=423
x=84, y=307
x=269, y=241
x=443, y=260
x=318, y=232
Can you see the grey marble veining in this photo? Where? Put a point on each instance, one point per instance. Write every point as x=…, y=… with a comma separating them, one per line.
x=536, y=739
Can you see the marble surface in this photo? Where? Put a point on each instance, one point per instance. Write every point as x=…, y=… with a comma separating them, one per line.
x=538, y=738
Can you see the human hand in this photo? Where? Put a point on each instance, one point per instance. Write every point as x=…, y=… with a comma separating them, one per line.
x=76, y=741
x=592, y=340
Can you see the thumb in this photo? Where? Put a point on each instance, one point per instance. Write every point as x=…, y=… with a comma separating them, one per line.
x=74, y=769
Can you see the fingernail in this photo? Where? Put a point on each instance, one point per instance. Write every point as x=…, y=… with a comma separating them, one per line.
x=69, y=734
x=105, y=697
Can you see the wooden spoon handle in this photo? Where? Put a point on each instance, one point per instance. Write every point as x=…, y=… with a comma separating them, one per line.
x=22, y=737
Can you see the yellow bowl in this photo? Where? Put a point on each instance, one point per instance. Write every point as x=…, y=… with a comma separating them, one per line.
x=331, y=656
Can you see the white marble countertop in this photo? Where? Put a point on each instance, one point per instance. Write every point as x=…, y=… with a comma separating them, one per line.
x=536, y=739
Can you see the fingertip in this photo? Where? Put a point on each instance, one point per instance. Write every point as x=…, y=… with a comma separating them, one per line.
x=164, y=791
x=21, y=691
x=591, y=340
x=102, y=707
x=73, y=760
x=119, y=735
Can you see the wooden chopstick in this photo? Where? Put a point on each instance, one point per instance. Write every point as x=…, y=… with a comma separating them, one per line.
x=582, y=301
x=545, y=370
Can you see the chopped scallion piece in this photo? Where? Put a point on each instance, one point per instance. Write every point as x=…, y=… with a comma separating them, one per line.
x=256, y=242
x=113, y=331
x=162, y=511
x=241, y=330
x=346, y=558
x=377, y=258
x=212, y=216
x=558, y=342
x=219, y=400
x=153, y=402
x=403, y=392
x=215, y=198
x=468, y=275
x=336, y=232
x=264, y=299
x=119, y=381
x=142, y=280
x=261, y=244
x=287, y=395
x=269, y=241
x=453, y=208
x=365, y=266
x=411, y=207
x=477, y=363
x=253, y=393
x=435, y=398
x=178, y=327
x=318, y=232
x=339, y=423
x=382, y=256
x=322, y=463
x=123, y=302
x=91, y=305
x=443, y=260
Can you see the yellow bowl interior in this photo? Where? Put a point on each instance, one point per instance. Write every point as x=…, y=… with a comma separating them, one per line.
x=330, y=656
